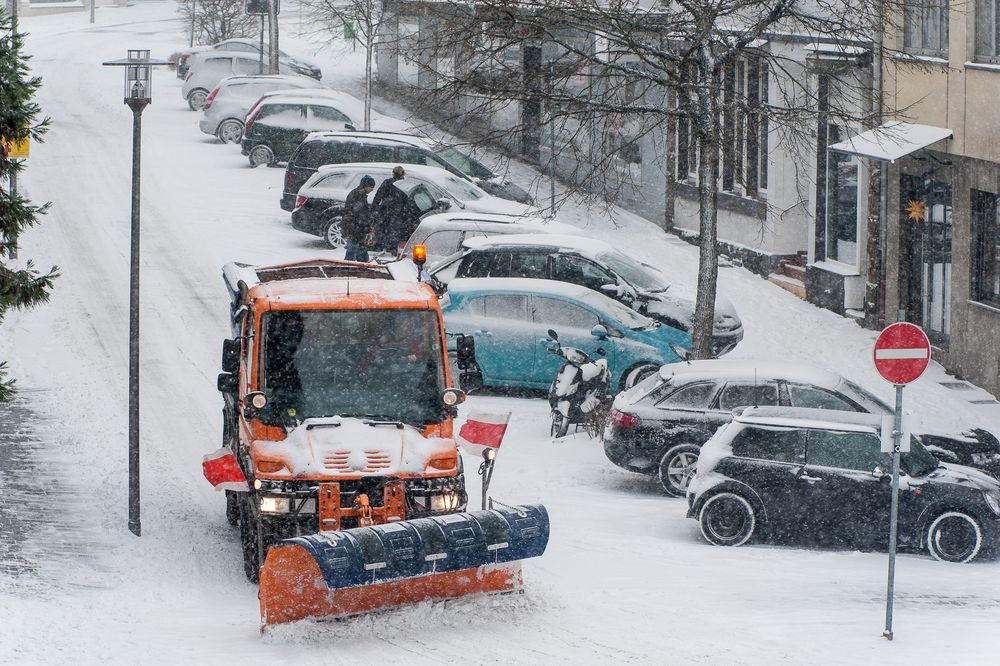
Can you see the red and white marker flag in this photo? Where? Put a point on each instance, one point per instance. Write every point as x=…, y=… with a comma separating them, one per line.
x=482, y=431
x=223, y=471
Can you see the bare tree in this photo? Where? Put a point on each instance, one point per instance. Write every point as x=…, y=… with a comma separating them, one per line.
x=362, y=20
x=604, y=75
x=216, y=20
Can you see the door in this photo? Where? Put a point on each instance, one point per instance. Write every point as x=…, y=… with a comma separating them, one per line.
x=505, y=347
x=768, y=460
x=926, y=255
x=573, y=323
x=848, y=505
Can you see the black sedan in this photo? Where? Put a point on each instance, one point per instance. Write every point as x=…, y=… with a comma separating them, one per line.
x=820, y=476
x=659, y=426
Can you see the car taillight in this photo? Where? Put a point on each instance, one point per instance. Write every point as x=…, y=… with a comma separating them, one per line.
x=211, y=96
x=623, y=420
x=289, y=179
x=300, y=201
x=249, y=122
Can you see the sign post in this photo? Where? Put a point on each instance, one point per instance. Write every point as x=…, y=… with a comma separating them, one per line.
x=902, y=352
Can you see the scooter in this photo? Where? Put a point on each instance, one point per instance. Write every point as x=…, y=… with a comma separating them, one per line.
x=579, y=393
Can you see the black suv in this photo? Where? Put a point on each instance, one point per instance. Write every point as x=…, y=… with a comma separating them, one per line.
x=820, y=476
x=658, y=426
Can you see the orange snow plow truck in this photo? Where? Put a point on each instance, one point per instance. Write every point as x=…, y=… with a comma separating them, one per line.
x=350, y=494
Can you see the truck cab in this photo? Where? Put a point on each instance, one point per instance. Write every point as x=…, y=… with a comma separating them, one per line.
x=339, y=403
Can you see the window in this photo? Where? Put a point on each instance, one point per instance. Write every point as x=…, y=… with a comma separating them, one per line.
x=443, y=243
x=986, y=247
x=529, y=265
x=281, y=115
x=744, y=395
x=512, y=307
x=988, y=30
x=551, y=311
x=576, y=270
x=317, y=153
x=422, y=199
x=692, y=396
x=246, y=66
x=925, y=27
x=333, y=181
x=841, y=201
x=322, y=117
x=372, y=153
x=859, y=451
x=816, y=398
x=775, y=444
x=743, y=146
x=476, y=265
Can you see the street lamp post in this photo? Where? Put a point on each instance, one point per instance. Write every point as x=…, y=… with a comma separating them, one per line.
x=138, y=95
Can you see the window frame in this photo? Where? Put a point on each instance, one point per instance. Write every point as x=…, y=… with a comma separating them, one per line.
x=915, y=14
x=985, y=205
x=986, y=47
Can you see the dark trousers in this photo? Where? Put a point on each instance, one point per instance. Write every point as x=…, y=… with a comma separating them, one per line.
x=356, y=251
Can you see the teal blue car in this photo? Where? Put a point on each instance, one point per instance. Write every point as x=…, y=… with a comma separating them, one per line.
x=509, y=319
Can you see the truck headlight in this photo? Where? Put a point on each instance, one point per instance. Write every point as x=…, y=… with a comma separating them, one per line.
x=444, y=502
x=274, y=504
x=993, y=501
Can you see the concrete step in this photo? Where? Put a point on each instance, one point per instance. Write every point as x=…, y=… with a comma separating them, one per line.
x=793, y=271
x=789, y=284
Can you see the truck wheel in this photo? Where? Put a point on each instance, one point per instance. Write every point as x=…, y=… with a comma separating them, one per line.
x=232, y=508
x=248, y=540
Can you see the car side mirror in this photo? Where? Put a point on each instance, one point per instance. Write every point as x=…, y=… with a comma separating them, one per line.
x=614, y=290
x=349, y=126
x=443, y=204
x=599, y=332
x=878, y=473
x=230, y=355
x=227, y=383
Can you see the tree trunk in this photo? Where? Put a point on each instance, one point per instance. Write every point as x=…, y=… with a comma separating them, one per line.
x=708, y=252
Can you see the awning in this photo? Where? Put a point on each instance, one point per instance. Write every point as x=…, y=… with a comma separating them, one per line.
x=892, y=141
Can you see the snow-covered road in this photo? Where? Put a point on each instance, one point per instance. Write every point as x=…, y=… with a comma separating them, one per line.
x=626, y=578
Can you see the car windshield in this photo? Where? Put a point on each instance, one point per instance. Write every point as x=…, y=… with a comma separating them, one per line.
x=918, y=461
x=637, y=274
x=867, y=400
x=385, y=363
x=460, y=190
x=464, y=163
x=618, y=312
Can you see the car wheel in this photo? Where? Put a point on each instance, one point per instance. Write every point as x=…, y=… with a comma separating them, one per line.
x=560, y=424
x=727, y=519
x=230, y=131
x=637, y=374
x=333, y=236
x=677, y=468
x=261, y=155
x=954, y=536
x=196, y=100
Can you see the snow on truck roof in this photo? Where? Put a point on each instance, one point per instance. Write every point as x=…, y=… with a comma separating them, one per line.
x=344, y=293
x=748, y=369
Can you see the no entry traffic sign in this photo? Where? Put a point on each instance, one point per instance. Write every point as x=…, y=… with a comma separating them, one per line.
x=902, y=353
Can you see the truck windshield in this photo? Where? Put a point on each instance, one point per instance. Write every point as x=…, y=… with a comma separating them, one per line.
x=383, y=363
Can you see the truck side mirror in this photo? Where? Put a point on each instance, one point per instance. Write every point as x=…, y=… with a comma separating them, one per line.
x=227, y=383
x=230, y=355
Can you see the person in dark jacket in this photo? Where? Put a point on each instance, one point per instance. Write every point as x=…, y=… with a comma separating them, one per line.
x=390, y=206
x=357, y=221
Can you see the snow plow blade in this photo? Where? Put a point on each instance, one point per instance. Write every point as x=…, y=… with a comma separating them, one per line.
x=365, y=569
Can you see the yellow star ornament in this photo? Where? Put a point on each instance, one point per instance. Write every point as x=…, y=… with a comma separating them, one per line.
x=916, y=210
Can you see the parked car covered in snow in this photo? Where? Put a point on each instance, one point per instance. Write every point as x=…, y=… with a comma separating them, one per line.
x=323, y=148
x=593, y=264
x=508, y=320
x=659, y=426
x=275, y=127
x=443, y=233
x=227, y=105
x=820, y=475
x=245, y=46
x=319, y=203
x=208, y=68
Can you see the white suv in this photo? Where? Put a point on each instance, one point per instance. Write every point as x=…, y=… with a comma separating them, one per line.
x=226, y=107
